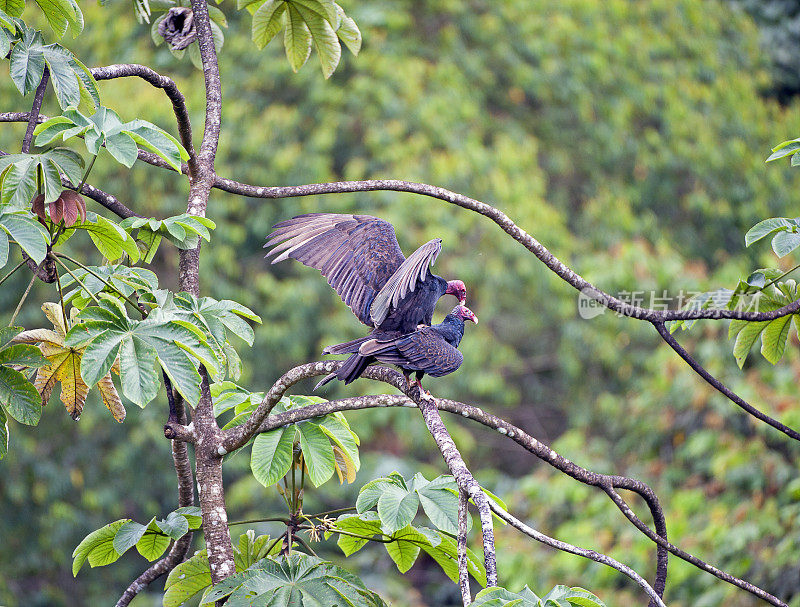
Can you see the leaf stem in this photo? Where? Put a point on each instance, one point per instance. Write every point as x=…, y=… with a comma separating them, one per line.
x=86, y=174
x=305, y=545
x=332, y=512
x=127, y=298
x=61, y=300
x=78, y=280
x=260, y=520
x=772, y=282
x=24, y=296
x=17, y=267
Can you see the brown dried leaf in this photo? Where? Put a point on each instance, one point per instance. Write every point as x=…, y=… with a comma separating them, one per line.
x=111, y=398
x=37, y=206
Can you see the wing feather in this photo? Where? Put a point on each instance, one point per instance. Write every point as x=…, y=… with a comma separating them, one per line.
x=358, y=254
x=404, y=279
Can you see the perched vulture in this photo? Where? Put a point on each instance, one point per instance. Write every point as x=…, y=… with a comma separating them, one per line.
x=432, y=350
x=360, y=257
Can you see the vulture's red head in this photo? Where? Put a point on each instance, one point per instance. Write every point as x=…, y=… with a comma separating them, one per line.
x=464, y=313
x=457, y=288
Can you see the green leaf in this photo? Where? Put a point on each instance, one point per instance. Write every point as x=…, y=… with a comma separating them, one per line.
x=441, y=507
x=156, y=140
x=13, y=8
x=24, y=355
x=65, y=81
x=317, y=452
x=109, y=238
x=20, y=399
x=348, y=32
x=28, y=233
x=765, y=228
x=366, y=524
x=175, y=525
x=325, y=39
x=500, y=597
x=573, y=596
x=27, y=64
x=192, y=514
x=785, y=242
x=122, y=147
x=271, y=456
x=62, y=15
x=127, y=536
x=784, y=149
x=153, y=543
x=296, y=38
x=298, y=580
x=268, y=21
x=773, y=339
x=137, y=360
x=98, y=547
x=397, y=508
x=186, y=580
x=341, y=435
x=19, y=182
x=405, y=547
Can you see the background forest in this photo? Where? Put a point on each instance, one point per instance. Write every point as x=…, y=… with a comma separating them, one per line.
x=628, y=137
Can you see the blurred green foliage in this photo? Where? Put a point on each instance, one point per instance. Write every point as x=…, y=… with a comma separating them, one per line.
x=629, y=138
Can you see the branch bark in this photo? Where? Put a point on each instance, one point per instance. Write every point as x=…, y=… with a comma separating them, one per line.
x=38, y=97
x=461, y=549
x=608, y=483
x=208, y=461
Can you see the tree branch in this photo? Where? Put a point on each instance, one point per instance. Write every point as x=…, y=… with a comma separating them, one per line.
x=608, y=483
x=718, y=385
x=589, y=554
x=34, y=113
x=461, y=549
x=168, y=85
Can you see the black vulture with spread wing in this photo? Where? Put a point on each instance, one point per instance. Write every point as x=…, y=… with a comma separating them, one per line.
x=427, y=350
x=360, y=257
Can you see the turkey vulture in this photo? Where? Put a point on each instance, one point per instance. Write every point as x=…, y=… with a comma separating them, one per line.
x=432, y=350
x=362, y=261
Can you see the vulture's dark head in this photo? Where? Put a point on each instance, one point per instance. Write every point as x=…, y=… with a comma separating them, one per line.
x=459, y=289
x=464, y=313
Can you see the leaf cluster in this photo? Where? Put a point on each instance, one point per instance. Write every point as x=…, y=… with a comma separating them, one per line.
x=107, y=544
x=560, y=596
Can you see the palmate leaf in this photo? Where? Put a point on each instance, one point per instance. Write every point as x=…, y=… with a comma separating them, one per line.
x=105, y=128
x=184, y=231
x=297, y=579
x=107, y=332
x=305, y=23
x=773, y=333
x=107, y=544
x=186, y=580
x=63, y=365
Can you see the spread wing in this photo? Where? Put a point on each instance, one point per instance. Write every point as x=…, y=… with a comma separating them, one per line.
x=423, y=350
x=358, y=254
x=404, y=280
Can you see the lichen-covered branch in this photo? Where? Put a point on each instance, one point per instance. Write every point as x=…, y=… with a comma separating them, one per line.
x=610, y=484
x=461, y=549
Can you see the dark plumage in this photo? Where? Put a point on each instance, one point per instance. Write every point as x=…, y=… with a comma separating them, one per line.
x=363, y=262
x=432, y=350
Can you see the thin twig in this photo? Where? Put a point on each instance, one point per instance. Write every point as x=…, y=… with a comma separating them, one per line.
x=127, y=298
x=76, y=279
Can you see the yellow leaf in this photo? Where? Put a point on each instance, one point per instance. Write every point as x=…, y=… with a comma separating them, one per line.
x=111, y=398
x=54, y=315
x=39, y=335
x=345, y=467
